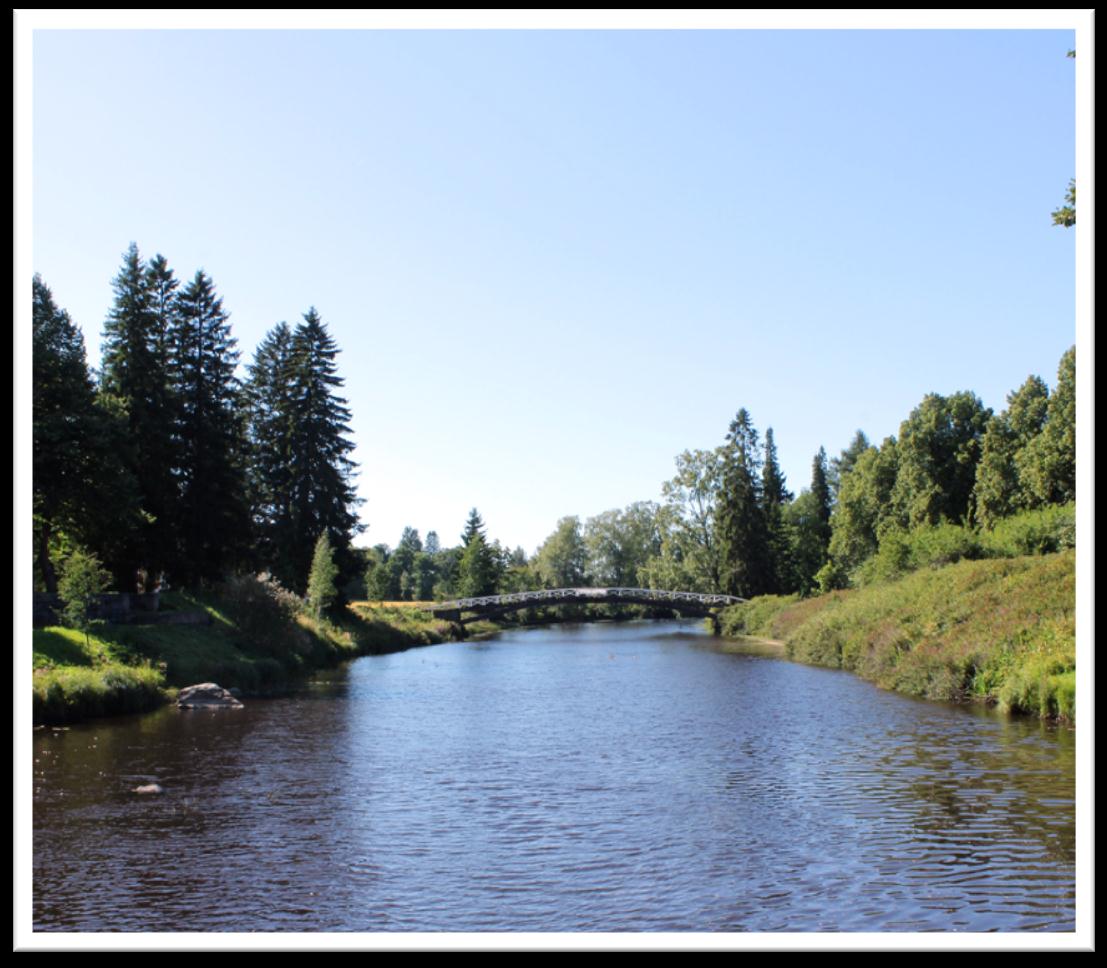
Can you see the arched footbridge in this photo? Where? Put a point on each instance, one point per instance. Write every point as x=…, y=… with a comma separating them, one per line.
x=489, y=606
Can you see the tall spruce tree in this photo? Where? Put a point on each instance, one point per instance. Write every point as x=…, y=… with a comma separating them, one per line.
x=63, y=397
x=321, y=490
x=742, y=535
x=476, y=569
x=135, y=377
x=474, y=528
x=809, y=518
x=774, y=499
x=268, y=405
x=82, y=490
x=212, y=517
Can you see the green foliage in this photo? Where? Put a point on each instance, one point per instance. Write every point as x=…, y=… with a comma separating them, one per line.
x=831, y=577
x=321, y=589
x=135, y=375
x=268, y=409
x=1047, y=466
x=212, y=519
x=82, y=492
x=864, y=508
x=1002, y=631
x=807, y=520
x=1065, y=215
x=1000, y=486
x=775, y=497
x=562, y=558
x=1039, y=532
x=83, y=580
x=688, y=553
x=476, y=569
x=929, y=546
x=73, y=693
x=265, y=615
x=620, y=542
x=474, y=528
x=937, y=452
x=756, y=616
x=744, y=553
x=841, y=465
x=300, y=471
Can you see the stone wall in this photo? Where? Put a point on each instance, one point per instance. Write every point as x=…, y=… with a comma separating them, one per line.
x=119, y=608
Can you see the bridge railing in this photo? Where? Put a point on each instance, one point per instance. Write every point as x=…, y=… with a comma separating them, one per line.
x=586, y=595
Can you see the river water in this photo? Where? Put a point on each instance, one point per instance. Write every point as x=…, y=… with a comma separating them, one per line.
x=590, y=778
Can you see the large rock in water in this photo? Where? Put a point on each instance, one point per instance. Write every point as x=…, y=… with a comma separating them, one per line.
x=206, y=695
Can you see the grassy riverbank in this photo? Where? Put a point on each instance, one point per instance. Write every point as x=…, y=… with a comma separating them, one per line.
x=255, y=638
x=256, y=648
x=998, y=631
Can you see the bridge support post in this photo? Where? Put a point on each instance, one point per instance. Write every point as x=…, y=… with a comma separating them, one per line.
x=716, y=625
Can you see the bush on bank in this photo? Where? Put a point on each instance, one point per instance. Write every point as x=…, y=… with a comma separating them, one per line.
x=1001, y=630
x=65, y=694
x=259, y=639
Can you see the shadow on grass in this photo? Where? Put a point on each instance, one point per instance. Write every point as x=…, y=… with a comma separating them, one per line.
x=61, y=647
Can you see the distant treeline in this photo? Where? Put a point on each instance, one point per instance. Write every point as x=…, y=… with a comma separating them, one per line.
x=164, y=464
x=959, y=481
x=167, y=467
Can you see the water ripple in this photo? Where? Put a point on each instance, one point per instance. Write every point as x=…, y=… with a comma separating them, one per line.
x=604, y=778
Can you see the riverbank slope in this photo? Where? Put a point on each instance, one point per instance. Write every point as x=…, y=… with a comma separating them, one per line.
x=1001, y=631
x=257, y=650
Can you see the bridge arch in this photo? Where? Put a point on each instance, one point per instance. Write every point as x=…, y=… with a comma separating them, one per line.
x=465, y=610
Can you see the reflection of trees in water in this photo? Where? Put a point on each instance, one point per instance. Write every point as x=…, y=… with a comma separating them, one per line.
x=997, y=788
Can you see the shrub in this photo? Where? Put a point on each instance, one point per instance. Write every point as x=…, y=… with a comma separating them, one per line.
x=82, y=581
x=755, y=617
x=321, y=590
x=1040, y=532
x=929, y=546
x=74, y=693
x=266, y=614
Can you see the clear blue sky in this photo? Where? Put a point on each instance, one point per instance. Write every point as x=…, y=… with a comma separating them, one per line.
x=553, y=260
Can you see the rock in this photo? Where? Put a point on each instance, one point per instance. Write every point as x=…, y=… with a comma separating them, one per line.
x=149, y=788
x=207, y=695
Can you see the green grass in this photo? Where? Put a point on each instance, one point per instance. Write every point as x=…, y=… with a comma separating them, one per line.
x=75, y=680
x=253, y=647
x=1000, y=631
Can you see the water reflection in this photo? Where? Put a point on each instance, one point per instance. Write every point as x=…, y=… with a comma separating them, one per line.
x=614, y=778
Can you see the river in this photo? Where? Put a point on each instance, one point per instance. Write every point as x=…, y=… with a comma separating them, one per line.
x=606, y=777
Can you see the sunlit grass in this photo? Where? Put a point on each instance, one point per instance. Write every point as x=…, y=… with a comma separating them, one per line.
x=1002, y=631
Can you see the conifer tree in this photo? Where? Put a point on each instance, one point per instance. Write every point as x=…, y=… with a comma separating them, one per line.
x=82, y=491
x=841, y=465
x=809, y=520
x=476, y=570
x=742, y=535
x=212, y=517
x=774, y=499
x=321, y=491
x=135, y=376
x=474, y=527
x=476, y=567
x=321, y=591
x=268, y=404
